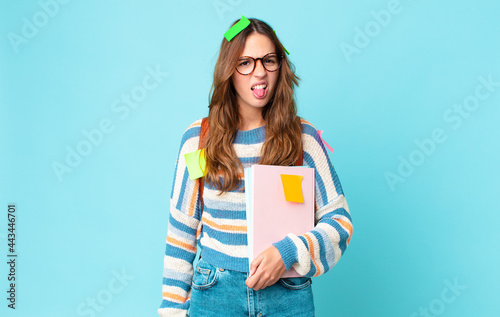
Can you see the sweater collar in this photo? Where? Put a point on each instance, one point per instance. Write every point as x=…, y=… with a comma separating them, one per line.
x=256, y=135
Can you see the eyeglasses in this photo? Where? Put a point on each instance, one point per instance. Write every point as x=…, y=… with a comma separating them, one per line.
x=270, y=61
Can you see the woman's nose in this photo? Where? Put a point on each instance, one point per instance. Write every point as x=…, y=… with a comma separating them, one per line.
x=259, y=68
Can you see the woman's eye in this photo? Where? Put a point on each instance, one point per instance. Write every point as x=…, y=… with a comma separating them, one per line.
x=270, y=61
x=243, y=63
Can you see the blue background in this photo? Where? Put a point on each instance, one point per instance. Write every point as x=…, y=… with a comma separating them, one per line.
x=436, y=226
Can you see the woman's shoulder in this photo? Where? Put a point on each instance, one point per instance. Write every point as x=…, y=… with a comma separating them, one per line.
x=307, y=127
x=191, y=134
x=311, y=138
x=194, y=126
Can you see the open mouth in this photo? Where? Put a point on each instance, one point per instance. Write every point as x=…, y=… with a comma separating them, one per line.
x=259, y=91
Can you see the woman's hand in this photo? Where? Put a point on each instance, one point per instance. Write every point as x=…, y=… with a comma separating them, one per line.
x=266, y=269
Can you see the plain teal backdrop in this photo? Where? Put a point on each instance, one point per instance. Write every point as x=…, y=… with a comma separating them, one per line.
x=407, y=92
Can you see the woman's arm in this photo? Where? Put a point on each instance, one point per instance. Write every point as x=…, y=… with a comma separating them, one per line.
x=317, y=251
x=182, y=236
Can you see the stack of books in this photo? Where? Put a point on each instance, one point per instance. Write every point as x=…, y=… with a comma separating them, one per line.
x=279, y=201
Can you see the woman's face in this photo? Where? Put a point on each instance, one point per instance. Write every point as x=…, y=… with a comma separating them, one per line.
x=257, y=88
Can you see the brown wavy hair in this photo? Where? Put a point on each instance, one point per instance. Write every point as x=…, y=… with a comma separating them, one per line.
x=283, y=143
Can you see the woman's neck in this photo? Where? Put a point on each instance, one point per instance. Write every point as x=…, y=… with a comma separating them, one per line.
x=249, y=125
x=250, y=120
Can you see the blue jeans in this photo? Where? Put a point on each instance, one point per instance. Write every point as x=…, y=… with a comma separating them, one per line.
x=220, y=292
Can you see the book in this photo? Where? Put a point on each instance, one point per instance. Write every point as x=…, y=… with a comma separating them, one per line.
x=270, y=216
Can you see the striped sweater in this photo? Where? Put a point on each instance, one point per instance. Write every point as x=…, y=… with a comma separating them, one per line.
x=221, y=233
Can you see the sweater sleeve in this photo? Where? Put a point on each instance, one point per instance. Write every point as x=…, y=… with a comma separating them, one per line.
x=317, y=251
x=182, y=232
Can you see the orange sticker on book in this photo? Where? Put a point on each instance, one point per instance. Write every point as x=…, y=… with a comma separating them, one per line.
x=292, y=186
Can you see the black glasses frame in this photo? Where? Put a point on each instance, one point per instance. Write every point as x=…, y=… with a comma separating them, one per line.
x=280, y=57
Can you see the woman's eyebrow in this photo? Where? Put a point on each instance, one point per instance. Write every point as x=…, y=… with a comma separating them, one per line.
x=262, y=55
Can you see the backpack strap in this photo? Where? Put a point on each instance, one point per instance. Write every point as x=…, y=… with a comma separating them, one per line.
x=203, y=136
x=201, y=143
x=299, y=161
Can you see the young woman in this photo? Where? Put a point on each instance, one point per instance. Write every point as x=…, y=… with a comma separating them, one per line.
x=252, y=119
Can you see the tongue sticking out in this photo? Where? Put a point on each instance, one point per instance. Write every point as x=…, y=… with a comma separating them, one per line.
x=259, y=93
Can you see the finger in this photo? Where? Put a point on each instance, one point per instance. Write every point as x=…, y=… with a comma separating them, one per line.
x=262, y=283
x=255, y=263
x=268, y=283
x=252, y=281
x=258, y=281
x=249, y=283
